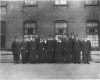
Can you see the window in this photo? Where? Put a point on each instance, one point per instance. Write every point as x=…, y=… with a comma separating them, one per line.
x=91, y=2
x=94, y=40
x=61, y=2
x=60, y=27
x=30, y=2
x=2, y=33
x=3, y=3
x=92, y=27
x=29, y=29
x=92, y=32
x=3, y=11
x=3, y=8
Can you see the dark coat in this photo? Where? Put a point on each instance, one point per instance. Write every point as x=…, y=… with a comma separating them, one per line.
x=88, y=47
x=76, y=51
x=44, y=51
x=67, y=46
x=51, y=44
x=15, y=47
x=16, y=51
x=24, y=52
x=33, y=51
x=59, y=52
x=85, y=52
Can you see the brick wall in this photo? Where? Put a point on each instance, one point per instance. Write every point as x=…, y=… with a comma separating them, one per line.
x=45, y=13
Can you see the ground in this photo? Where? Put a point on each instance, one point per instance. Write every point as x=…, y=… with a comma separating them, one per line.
x=11, y=71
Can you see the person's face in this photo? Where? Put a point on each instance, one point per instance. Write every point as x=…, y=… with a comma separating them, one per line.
x=72, y=37
x=15, y=40
x=77, y=38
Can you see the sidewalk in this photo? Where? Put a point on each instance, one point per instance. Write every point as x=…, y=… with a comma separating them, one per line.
x=10, y=71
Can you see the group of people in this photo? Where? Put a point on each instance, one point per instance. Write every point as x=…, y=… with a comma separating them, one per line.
x=61, y=49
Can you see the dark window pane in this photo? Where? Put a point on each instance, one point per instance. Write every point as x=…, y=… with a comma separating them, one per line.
x=30, y=28
x=2, y=41
x=60, y=27
x=30, y=2
x=92, y=27
x=3, y=3
x=2, y=32
x=91, y=2
x=92, y=32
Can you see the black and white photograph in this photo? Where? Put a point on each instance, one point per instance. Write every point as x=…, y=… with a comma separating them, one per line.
x=49, y=39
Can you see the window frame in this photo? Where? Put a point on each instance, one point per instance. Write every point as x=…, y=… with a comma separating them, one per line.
x=3, y=5
x=87, y=5
x=62, y=5
x=3, y=33
x=91, y=21
x=60, y=21
x=94, y=40
x=5, y=10
x=30, y=5
x=95, y=34
x=30, y=22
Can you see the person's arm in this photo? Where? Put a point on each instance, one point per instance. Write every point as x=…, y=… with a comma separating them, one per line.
x=13, y=45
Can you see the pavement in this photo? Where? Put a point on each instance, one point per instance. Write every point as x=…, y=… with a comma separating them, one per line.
x=11, y=71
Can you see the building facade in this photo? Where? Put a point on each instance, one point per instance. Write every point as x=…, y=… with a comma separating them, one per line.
x=28, y=18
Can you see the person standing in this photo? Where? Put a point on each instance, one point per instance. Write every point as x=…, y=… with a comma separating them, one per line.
x=41, y=51
x=72, y=41
x=50, y=50
x=59, y=52
x=51, y=43
x=88, y=49
x=24, y=51
x=38, y=49
x=45, y=56
x=76, y=50
x=83, y=48
x=33, y=52
x=67, y=50
x=15, y=50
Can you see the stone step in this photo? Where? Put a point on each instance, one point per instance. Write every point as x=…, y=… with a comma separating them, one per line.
x=95, y=55
x=6, y=56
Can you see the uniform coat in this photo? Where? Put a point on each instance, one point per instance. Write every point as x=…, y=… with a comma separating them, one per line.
x=24, y=51
x=33, y=52
x=44, y=55
x=86, y=51
x=89, y=50
x=76, y=51
x=67, y=46
x=51, y=44
x=16, y=51
x=59, y=52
